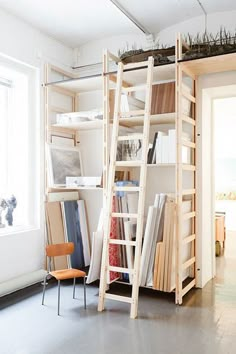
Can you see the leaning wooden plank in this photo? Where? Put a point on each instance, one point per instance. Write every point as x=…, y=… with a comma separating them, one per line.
x=156, y=266
x=147, y=244
x=159, y=265
x=166, y=240
x=171, y=258
x=54, y=218
x=162, y=258
x=129, y=249
x=84, y=231
x=158, y=234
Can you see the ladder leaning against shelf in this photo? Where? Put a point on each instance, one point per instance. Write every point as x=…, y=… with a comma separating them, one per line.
x=112, y=188
x=185, y=121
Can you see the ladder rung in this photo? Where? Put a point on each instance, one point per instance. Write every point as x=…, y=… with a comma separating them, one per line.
x=129, y=163
x=189, y=144
x=188, y=263
x=188, y=119
x=134, y=88
x=190, y=215
x=114, y=241
x=118, y=298
x=188, y=287
x=139, y=112
x=124, y=215
x=187, y=167
x=189, y=239
x=126, y=189
x=189, y=191
x=120, y=269
x=130, y=137
x=188, y=96
x=135, y=65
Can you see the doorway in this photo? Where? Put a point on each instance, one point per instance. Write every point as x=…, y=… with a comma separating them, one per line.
x=224, y=141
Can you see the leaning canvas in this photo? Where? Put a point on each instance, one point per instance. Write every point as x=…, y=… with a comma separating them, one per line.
x=63, y=161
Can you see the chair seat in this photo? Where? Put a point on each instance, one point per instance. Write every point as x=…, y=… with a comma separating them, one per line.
x=67, y=274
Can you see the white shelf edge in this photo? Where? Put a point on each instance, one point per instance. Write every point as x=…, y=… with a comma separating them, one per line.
x=77, y=188
x=93, y=124
x=161, y=165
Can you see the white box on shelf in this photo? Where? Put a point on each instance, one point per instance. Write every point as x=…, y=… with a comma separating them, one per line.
x=83, y=181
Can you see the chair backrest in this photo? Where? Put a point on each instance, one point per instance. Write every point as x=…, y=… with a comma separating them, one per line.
x=60, y=249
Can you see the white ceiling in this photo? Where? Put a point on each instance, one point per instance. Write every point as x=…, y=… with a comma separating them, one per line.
x=75, y=22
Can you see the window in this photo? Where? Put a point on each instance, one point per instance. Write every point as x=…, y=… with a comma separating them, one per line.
x=19, y=145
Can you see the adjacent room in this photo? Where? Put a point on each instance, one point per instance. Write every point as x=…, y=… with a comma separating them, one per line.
x=118, y=176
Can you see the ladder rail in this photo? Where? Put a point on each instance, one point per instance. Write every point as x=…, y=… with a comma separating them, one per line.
x=109, y=213
x=143, y=174
x=111, y=174
x=181, y=191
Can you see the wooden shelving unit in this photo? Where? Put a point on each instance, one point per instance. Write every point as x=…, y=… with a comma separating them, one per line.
x=180, y=72
x=179, y=120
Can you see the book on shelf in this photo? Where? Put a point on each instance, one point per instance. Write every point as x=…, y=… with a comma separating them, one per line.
x=152, y=151
x=166, y=148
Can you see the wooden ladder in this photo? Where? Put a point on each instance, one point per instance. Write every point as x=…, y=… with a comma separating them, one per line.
x=189, y=120
x=112, y=188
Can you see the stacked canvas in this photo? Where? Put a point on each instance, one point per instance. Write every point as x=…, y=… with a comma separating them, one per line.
x=153, y=234
x=159, y=245
x=126, y=203
x=66, y=222
x=164, y=265
x=121, y=228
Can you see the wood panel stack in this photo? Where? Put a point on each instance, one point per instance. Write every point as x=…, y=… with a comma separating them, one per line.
x=163, y=98
x=164, y=266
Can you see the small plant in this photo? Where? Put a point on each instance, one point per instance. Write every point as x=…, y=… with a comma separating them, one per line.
x=200, y=45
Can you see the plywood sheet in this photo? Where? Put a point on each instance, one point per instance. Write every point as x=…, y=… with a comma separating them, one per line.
x=56, y=231
x=163, y=98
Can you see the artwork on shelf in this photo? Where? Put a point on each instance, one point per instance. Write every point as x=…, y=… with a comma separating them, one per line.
x=129, y=150
x=63, y=161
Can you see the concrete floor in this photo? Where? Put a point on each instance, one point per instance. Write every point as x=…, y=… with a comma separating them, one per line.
x=205, y=324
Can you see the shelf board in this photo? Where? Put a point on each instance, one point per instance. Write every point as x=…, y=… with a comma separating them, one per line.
x=163, y=118
x=83, y=84
x=161, y=165
x=161, y=73
x=89, y=125
x=213, y=64
x=72, y=188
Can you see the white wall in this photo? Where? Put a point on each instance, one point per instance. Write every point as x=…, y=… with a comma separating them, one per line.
x=22, y=42
x=209, y=87
x=22, y=252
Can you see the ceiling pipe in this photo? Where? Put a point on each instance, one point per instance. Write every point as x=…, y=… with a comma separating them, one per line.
x=205, y=13
x=130, y=17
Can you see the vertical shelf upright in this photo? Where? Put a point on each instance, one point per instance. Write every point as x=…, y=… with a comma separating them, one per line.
x=185, y=119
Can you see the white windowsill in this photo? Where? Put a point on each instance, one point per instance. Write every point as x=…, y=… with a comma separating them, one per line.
x=11, y=230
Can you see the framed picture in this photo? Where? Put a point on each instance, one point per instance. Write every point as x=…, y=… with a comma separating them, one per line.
x=62, y=162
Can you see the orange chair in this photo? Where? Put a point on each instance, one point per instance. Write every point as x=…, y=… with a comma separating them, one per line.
x=63, y=249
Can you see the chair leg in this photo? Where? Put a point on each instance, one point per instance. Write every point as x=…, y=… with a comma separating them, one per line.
x=44, y=288
x=58, y=303
x=85, y=292
x=74, y=289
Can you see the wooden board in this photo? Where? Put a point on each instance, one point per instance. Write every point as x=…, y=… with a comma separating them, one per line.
x=56, y=231
x=163, y=98
x=216, y=64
